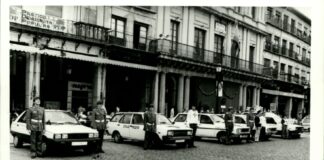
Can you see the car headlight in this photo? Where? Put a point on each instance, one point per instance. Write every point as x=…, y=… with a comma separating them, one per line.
x=57, y=136
x=91, y=135
x=170, y=133
x=96, y=135
x=189, y=133
x=64, y=136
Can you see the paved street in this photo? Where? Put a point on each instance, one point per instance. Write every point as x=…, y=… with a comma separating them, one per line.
x=274, y=149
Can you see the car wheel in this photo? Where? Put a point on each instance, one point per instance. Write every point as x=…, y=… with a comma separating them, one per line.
x=17, y=142
x=45, y=149
x=117, y=137
x=222, y=138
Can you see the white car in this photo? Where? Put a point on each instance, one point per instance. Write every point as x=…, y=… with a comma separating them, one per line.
x=268, y=126
x=213, y=126
x=294, y=130
x=61, y=128
x=306, y=123
x=130, y=125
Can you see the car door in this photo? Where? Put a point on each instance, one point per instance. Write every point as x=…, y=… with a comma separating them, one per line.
x=124, y=124
x=206, y=127
x=112, y=125
x=136, y=128
x=180, y=120
x=20, y=125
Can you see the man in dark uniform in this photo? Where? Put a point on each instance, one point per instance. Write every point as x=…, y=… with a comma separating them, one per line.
x=149, y=127
x=250, y=123
x=229, y=124
x=98, y=121
x=35, y=119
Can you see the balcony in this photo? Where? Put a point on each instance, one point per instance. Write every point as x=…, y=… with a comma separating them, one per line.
x=274, y=21
x=193, y=53
x=288, y=77
x=283, y=51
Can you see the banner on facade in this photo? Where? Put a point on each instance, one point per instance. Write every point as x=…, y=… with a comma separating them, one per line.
x=15, y=15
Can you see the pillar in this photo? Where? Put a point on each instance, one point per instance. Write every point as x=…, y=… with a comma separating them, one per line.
x=258, y=96
x=254, y=97
x=228, y=39
x=187, y=94
x=185, y=22
x=241, y=97
x=32, y=78
x=288, y=107
x=300, y=107
x=180, y=94
x=276, y=101
x=244, y=96
x=156, y=92
x=97, y=84
x=162, y=93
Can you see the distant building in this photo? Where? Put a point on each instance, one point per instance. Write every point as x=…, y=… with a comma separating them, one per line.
x=132, y=57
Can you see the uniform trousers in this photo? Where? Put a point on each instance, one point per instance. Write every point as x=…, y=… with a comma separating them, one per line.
x=148, y=139
x=101, y=135
x=36, y=142
x=257, y=134
x=193, y=126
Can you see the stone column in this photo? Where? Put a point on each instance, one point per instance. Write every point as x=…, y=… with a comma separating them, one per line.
x=288, y=107
x=162, y=93
x=258, y=96
x=187, y=94
x=156, y=92
x=244, y=96
x=228, y=39
x=275, y=100
x=300, y=106
x=180, y=94
x=97, y=78
x=185, y=24
x=31, y=82
x=241, y=96
x=254, y=97
x=37, y=73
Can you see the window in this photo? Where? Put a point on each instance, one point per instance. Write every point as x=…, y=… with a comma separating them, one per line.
x=285, y=22
x=218, y=48
x=292, y=27
x=275, y=69
x=278, y=16
x=269, y=12
x=126, y=119
x=282, y=68
x=181, y=118
x=205, y=119
x=276, y=44
x=291, y=49
x=54, y=11
x=89, y=14
x=296, y=75
x=284, y=47
x=116, y=118
x=237, y=9
x=239, y=120
x=289, y=73
x=199, y=41
x=266, y=62
x=304, y=54
x=174, y=30
x=117, y=36
x=305, y=31
x=253, y=12
x=23, y=118
x=251, y=59
x=297, y=53
x=140, y=35
x=270, y=120
x=138, y=119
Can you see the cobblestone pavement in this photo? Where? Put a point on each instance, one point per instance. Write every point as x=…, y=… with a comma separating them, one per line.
x=274, y=149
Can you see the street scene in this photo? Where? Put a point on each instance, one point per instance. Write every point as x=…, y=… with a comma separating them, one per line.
x=274, y=149
x=159, y=82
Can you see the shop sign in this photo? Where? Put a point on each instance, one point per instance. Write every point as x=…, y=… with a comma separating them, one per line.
x=15, y=15
x=42, y=21
x=79, y=86
x=220, y=28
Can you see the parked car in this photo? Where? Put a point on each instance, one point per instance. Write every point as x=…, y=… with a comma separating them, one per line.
x=213, y=126
x=306, y=123
x=268, y=126
x=61, y=128
x=294, y=129
x=130, y=125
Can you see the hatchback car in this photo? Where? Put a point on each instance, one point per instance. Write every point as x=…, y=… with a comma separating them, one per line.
x=61, y=129
x=130, y=125
x=213, y=126
x=306, y=123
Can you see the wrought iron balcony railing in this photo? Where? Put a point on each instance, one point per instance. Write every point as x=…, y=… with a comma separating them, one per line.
x=176, y=49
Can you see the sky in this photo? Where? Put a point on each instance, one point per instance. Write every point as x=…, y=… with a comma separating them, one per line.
x=306, y=11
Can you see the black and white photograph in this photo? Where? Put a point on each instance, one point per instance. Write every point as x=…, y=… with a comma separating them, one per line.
x=159, y=82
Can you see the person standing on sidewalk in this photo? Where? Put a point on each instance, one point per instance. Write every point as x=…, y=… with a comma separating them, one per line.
x=35, y=119
x=257, y=126
x=250, y=123
x=229, y=125
x=98, y=121
x=192, y=122
x=149, y=127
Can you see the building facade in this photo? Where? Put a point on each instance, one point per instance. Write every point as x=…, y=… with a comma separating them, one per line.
x=132, y=57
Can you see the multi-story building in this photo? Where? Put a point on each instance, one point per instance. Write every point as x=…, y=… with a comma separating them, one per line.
x=287, y=50
x=131, y=57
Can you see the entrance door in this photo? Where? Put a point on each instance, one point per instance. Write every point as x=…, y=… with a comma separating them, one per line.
x=79, y=98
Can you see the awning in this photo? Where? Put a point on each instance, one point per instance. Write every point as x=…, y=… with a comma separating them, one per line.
x=280, y=93
x=88, y=58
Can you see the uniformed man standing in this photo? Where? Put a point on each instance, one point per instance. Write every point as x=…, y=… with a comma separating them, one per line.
x=149, y=127
x=98, y=121
x=192, y=122
x=229, y=124
x=35, y=119
x=250, y=123
x=258, y=126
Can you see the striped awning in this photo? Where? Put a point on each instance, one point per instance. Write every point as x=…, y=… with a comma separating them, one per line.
x=76, y=56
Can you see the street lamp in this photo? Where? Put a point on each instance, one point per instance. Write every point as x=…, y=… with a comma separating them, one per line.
x=219, y=78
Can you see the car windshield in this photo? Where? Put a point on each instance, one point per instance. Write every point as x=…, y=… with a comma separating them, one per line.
x=162, y=120
x=217, y=119
x=60, y=117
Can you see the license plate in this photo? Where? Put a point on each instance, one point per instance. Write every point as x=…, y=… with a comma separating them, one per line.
x=180, y=141
x=79, y=143
x=243, y=136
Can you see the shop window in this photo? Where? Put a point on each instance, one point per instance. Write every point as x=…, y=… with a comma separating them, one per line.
x=54, y=11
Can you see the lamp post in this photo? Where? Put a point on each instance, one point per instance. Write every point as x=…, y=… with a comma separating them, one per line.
x=219, y=78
